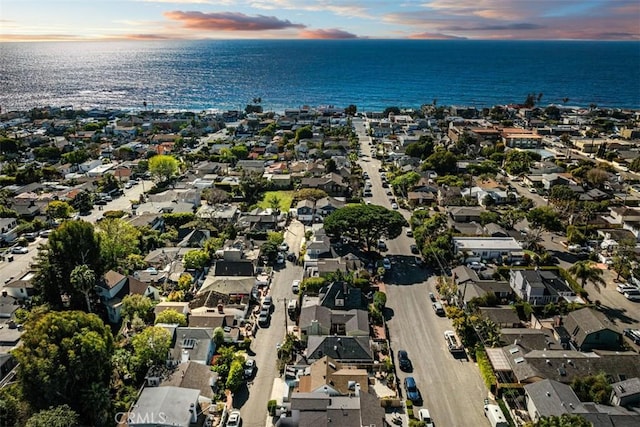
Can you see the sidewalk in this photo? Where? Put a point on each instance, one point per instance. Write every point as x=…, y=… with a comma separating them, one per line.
x=277, y=391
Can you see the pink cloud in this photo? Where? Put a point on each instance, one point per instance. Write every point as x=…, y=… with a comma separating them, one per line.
x=434, y=36
x=229, y=21
x=331, y=33
x=147, y=37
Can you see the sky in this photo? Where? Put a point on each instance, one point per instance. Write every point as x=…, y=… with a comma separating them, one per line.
x=68, y=20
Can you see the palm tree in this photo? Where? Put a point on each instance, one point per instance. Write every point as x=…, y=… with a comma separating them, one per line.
x=586, y=271
x=84, y=279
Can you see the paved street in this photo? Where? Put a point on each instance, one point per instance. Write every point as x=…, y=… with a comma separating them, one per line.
x=254, y=400
x=452, y=389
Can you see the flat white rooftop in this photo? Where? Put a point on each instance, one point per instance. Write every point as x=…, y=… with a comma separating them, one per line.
x=486, y=244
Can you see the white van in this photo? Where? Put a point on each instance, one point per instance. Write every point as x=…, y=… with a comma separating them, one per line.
x=495, y=416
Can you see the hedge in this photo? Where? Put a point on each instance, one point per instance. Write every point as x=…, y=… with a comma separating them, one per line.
x=488, y=376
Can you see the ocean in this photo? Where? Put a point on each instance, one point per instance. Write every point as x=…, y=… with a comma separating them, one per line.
x=372, y=74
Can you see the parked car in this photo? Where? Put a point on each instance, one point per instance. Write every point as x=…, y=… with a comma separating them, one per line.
x=425, y=417
x=264, y=318
x=432, y=297
x=280, y=259
x=382, y=246
x=409, y=233
x=284, y=247
x=394, y=206
x=633, y=334
x=234, y=419
x=475, y=265
x=19, y=250
x=633, y=295
x=403, y=361
x=624, y=287
x=30, y=236
x=249, y=368
x=295, y=286
x=267, y=303
x=414, y=249
x=386, y=263
x=411, y=389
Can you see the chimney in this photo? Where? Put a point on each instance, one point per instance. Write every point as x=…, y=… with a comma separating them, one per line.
x=193, y=412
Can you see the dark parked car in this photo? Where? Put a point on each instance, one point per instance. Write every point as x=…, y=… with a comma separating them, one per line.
x=414, y=249
x=403, y=361
x=413, y=394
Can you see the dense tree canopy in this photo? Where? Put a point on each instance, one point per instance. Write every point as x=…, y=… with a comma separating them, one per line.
x=442, y=162
x=66, y=355
x=150, y=348
x=60, y=416
x=72, y=244
x=58, y=209
x=118, y=239
x=171, y=317
x=365, y=223
x=163, y=167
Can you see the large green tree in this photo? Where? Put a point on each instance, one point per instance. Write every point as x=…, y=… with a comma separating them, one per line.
x=365, y=223
x=59, y=416
x=118, y=239
x=442, y=161
x=171, y=317
x=59, y=210
x=136, y=306
x=564, y=420
x=163, y=167
x=72, y=244
x=150, y=348
x=196, y=259
x=65, y=355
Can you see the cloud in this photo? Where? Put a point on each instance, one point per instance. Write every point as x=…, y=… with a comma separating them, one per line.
x=331, y=33
x=434, y=36
x=39, y=37
x=229, y=21
x=147, y=37
x=350, y=9
x=506, y=27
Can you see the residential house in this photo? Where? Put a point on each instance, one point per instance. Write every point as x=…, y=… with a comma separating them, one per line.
x=354, y=351
x=194, y=344
x=548, y=398
x=165, y=407
x=219, y=214
x=449, y=196
x=341, y=296
x=521, y=138
x=8, y=229
x=21, y=289
x=305, y=210
x=321, y=410
x=251, y=166
x=319, y=320
x=465, y=213
x=8, y=305
x=332, y=183
x=260, y=221
x=115, y=286
x=328, y=205
x=422, y=198
x=626, y=392
x=328, y=376
x=539, y=287
x=488, y=248
x=190, y=375
x=591, y=329
x=471, y=286
x=503, y=317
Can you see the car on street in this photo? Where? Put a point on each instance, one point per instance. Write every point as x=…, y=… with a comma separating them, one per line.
x=409, y=233
x=432, y=297
x=267, y=303
x=264, y=318
x=249, y=368
x=425, y=417
x=284, y=247
x=414, y=249
x=295, y=286
x=403, y=361
x=632, y=295
x=234, y=419
x=394, y=206
x=280, y=259
x=100, y=202
x=533, y=190
x=633, y=334
x=45, y=233
x=475, y=265
x=624, y=287
x=411, y=390
x=386, y=263
x=419, y=261
x=30, y=236
x=19, y=250
x=382, y=246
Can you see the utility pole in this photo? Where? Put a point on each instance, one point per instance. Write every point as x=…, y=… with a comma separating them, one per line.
x=286, y=321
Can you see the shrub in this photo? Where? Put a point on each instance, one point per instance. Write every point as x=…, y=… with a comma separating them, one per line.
x=486, y=371
x=271, y=407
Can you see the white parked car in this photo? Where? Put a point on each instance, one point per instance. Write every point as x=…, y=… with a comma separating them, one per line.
x=394, y=206
x=425, y=417
x=19, y=250
x=295, y=286
x=234, y=419
x=386, y=263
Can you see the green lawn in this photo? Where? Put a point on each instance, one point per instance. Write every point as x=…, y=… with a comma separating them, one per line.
x=286, y=198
